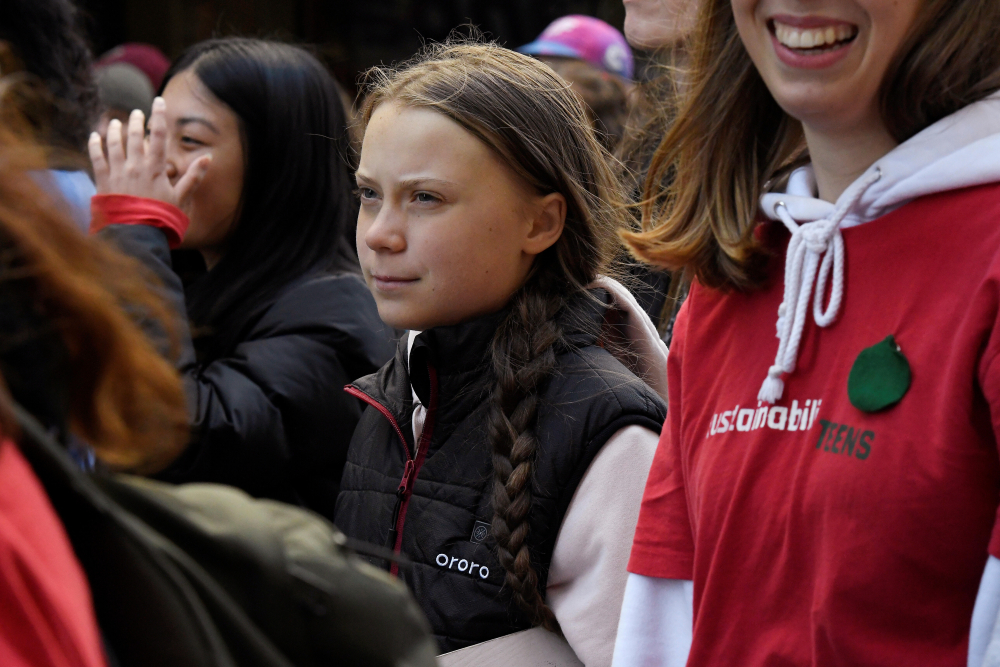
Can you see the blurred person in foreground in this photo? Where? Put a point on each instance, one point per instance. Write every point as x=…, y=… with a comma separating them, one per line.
x=47, y=79
x=245, y=167
x=72, y=357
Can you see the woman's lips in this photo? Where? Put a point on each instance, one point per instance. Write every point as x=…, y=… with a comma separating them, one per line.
x=811, y=42
x=809, y=21
x=389, y=283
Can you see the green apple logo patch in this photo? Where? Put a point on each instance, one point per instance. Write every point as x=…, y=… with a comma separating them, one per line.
x=879, y=378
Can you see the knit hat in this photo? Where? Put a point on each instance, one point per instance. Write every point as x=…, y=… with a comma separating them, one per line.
x=149, y=59
x=585, y=38
x=123, y=86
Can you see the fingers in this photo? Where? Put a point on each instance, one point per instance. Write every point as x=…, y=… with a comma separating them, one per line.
x=191, y=179
x=136, y=132
x=100, y=163
x=116, y=151
x=156, y=150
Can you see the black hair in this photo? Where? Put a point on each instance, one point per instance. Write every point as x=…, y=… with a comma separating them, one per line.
x=48, y=40
x=297, y=195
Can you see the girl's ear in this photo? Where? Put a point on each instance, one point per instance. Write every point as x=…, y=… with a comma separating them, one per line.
x=547, y=224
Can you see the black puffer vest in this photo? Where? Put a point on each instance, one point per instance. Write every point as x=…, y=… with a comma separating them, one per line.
x=432, y=501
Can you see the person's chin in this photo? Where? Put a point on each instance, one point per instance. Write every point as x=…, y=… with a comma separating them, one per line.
x=817, y=108
x=640, y=36
x=395, y=314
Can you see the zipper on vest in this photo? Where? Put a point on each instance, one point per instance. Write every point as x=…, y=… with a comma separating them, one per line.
x=413, y=463
x=412, y=469
x=404, y=486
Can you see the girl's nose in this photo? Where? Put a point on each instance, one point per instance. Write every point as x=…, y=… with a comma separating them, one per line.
x=386, y=232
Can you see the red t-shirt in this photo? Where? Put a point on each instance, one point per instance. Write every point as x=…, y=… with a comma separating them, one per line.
x=815, y=533
x=46, y=617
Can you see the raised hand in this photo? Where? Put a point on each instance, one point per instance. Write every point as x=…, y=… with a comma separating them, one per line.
x=139, y=167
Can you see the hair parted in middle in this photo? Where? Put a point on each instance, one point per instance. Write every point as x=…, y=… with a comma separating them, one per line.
x=538, y=127
x=296, y=200
x=728, y=138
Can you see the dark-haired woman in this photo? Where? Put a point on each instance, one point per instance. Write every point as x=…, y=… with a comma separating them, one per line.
x=244, y=165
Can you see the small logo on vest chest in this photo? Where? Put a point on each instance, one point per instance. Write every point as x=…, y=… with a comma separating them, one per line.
x=480, y=532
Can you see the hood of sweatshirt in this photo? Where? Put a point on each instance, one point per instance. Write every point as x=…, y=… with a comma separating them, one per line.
x=644, y=352
x=959, y=151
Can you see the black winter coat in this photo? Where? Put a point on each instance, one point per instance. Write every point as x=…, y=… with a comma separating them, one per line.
x=272, y=417
x=431, y=500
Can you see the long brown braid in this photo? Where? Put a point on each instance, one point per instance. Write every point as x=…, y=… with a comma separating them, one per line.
x=524, y=112
x=523, y=359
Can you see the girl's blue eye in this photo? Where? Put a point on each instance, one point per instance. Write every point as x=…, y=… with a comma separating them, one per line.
x=426, y=198
x=366, y=194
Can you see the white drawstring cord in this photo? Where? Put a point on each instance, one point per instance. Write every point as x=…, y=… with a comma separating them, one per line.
x=809, y=242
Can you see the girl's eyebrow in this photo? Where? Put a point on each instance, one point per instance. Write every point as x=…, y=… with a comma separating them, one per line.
x=422, y=180
x=187, y=120
x=409, y=183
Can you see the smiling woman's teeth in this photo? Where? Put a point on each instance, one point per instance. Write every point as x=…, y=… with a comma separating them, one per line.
x=812, y=38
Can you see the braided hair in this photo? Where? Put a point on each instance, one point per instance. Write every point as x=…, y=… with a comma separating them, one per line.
x=531, y=119
x=523, y=357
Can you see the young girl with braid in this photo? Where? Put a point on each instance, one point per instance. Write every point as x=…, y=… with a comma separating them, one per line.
x=504, y=448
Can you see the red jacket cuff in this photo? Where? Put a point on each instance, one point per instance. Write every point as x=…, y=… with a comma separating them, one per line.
x=128, y=210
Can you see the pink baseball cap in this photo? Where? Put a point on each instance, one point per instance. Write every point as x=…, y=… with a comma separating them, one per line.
x=586, y=38
x=149, y=59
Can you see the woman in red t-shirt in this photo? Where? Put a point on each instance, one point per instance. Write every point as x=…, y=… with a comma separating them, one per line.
x=829, y=497
x=46, y=616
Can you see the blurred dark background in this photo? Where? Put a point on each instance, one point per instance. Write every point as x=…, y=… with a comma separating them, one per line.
x=350, y=36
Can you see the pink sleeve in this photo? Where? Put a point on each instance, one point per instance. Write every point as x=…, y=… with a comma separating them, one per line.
x=663, y=545
x=128, y=210
x=587, y=575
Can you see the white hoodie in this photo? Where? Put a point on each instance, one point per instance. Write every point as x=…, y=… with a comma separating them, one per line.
x=962, y=150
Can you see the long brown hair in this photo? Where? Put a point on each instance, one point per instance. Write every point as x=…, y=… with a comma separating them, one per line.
x=124, y=398
x=524, y=112
x=729, y=137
